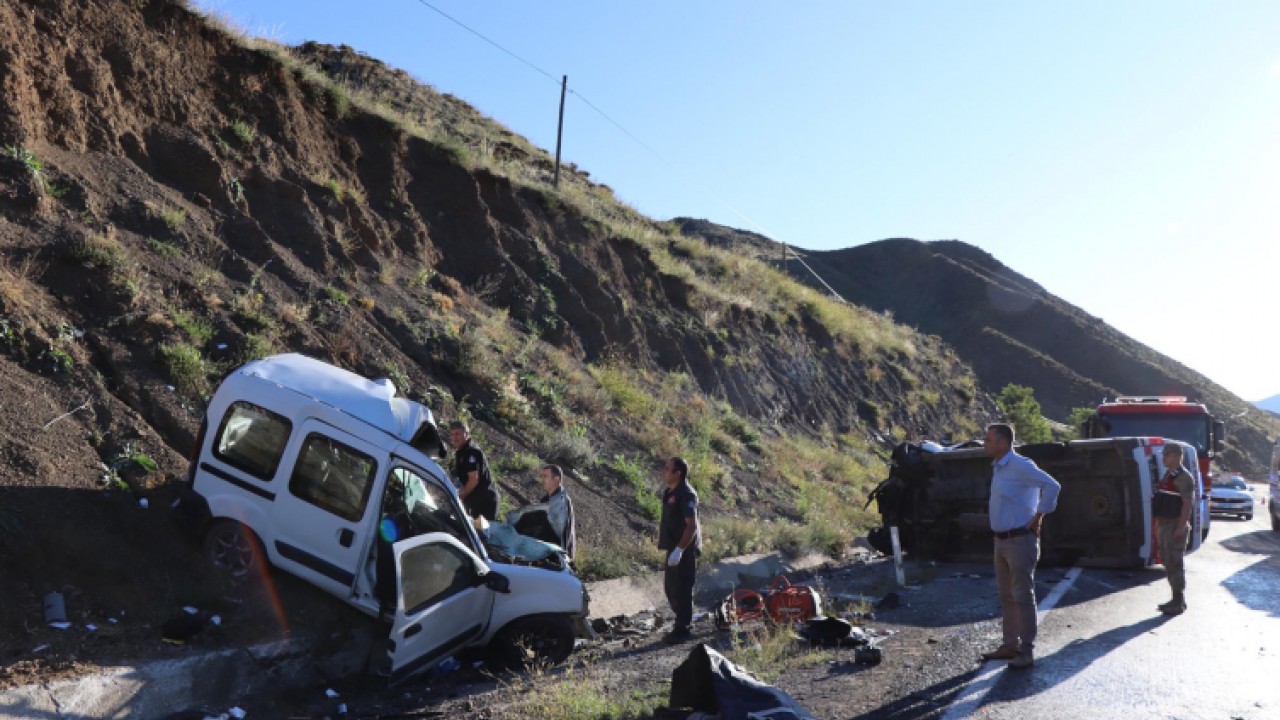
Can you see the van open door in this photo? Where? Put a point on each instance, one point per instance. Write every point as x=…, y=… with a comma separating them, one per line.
x=444, y=602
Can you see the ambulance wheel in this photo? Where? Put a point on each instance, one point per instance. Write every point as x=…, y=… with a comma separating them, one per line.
x=232, y=548
x=539, y=641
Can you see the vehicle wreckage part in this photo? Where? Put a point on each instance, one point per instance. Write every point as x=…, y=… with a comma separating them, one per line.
x=232, y=548
x=528, y=641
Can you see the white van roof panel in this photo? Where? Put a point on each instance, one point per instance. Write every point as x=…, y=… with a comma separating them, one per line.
x=373, y=401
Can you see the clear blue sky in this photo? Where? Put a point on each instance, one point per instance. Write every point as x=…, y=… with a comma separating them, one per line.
x=1125, y=155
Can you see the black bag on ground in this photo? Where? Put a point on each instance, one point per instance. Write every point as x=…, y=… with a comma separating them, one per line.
x=708, y=682
x=1165, y=504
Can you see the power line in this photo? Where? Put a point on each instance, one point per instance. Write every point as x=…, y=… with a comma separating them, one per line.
x=618, y=125
x=757, y=226
x=462, y=25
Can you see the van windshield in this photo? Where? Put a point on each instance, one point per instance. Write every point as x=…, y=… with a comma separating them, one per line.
x=418, y=506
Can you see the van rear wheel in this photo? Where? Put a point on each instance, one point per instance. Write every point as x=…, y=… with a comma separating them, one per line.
x=232, y=548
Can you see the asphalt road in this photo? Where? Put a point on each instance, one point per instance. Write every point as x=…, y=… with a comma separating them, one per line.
x=1105, y=652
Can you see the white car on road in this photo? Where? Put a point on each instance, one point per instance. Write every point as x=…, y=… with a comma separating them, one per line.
x=1231, y=497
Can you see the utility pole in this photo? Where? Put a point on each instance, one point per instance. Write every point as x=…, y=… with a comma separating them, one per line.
x=564, y=84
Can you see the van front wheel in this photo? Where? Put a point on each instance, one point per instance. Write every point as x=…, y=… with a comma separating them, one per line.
x=544, y=640
x=231, y=548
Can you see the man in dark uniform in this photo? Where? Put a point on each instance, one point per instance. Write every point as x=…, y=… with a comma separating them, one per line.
x=479, y=494
x=681, y=536
x=1172, y=532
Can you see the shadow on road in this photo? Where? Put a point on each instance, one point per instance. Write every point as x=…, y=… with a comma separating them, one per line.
x=927, y=703
x=1068, y=661
x=1071, y=659
x=1258, y=542
x=1254, y=586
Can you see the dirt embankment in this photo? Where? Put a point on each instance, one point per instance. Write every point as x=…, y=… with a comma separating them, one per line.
x=174, y=201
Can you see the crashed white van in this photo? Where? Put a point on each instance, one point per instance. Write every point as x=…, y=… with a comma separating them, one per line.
x=326, y=475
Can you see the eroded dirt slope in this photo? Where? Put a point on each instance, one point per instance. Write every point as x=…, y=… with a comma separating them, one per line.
x=175, y=201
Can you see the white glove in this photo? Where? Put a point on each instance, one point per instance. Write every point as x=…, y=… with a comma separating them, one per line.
x=674, y=558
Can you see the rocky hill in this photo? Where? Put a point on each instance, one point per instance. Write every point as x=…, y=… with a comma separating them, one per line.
x=177, y=199
x=1011, y=330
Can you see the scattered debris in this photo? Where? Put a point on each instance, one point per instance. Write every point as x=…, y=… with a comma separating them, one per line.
x=66, y=414
x=870, y=655
x=60, y=625
x=55, y=608
x=331, y=693
x=623, y=627
x=834, y=632
x=237, y=713
x=182, y=628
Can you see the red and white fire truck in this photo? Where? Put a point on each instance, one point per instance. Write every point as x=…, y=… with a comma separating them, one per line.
x=1172, y=417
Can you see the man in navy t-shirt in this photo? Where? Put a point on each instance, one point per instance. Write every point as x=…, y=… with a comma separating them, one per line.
x=681, y=536
x=478, y=493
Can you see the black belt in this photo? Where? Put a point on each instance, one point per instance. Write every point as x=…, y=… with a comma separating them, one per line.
x=1012, y=533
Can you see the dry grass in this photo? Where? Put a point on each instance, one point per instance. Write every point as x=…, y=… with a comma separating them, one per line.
x=17, y=283
x=580, y=694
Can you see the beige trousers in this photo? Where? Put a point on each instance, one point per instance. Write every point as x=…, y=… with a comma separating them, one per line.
x=1171, y=554
x=1015, y=580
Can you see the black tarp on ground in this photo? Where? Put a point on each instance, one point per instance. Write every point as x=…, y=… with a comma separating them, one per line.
x=708, y=682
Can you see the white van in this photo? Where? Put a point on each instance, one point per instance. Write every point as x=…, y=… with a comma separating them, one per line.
x=326, y=475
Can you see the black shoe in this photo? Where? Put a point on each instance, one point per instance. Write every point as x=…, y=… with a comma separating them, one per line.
x=677, y=636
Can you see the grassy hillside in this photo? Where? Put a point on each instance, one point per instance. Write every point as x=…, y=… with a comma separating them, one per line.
x=177, y=199
x=1013, y=331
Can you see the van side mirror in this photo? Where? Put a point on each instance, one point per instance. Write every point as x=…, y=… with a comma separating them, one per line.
x=1219, y=435
x=496, y=582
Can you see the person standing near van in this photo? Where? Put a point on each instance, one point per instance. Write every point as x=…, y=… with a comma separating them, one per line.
x=681, y=536
x=478, y=493
x=1021, y=495
x=559, y=509
x=1171, y=532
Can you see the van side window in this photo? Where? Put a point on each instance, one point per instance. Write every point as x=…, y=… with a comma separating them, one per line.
x=432, y=573
x=252, y=439
x=333, y=476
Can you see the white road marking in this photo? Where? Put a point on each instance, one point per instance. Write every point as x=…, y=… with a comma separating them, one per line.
x=970, y=698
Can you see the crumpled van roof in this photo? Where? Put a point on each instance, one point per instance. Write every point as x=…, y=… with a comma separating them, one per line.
x=373, y=401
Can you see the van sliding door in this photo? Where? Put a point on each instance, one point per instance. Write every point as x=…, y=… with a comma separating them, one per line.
x=322, y=517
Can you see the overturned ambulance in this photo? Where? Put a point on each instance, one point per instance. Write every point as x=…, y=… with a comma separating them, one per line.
x=937, y=498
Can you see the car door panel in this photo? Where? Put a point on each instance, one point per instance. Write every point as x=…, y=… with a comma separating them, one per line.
x=442, y=603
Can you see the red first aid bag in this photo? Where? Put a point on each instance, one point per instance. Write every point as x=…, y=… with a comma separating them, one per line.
x=792, y=603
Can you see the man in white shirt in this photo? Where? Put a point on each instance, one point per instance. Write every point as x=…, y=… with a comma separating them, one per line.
x=1021, y=495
